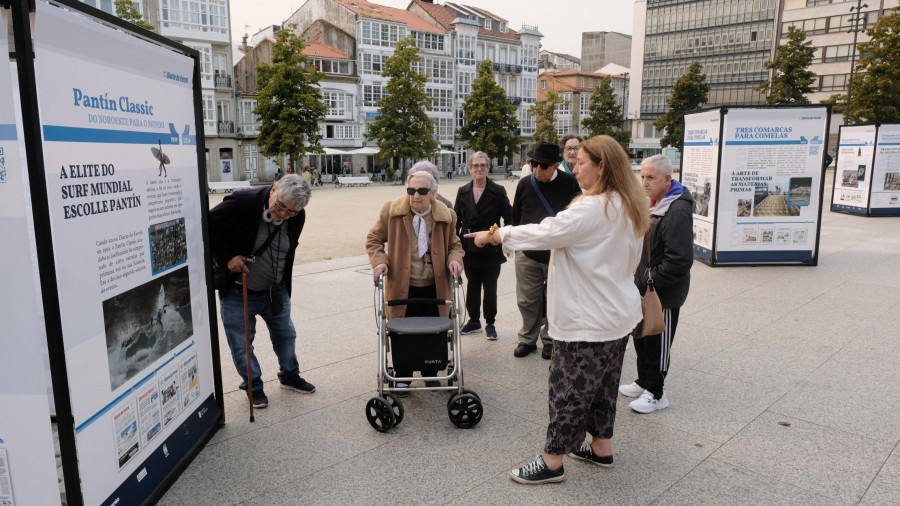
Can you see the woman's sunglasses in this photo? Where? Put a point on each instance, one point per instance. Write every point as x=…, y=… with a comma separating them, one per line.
x=421, y=191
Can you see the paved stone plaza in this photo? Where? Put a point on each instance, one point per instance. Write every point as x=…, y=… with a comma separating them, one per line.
x=781, y=391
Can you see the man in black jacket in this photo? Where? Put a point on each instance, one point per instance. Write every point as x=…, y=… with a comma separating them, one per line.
x=544, y=193
x=671, y=257
x=256, y=231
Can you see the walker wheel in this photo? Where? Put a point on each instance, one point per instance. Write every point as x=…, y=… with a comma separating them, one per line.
x=396, y=406
x=380, y=414
x=465, y=410
x=465, y=391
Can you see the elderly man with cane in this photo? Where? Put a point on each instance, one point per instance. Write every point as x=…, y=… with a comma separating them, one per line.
x=254, y=233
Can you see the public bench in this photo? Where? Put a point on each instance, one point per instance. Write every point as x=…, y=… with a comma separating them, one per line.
x=227, y=186
x=353, y=181
x=515, y=174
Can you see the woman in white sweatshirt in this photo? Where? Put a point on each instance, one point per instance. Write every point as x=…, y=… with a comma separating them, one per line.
x=592, y=303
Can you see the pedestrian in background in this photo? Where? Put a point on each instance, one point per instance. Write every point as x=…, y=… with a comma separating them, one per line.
x=480, y=204
x=425, y=165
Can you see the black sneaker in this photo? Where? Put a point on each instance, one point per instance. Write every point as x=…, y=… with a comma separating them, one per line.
x=471, y=327
x=586, y=453
x=547, y=352
x=298, y=384
x=260, y=400
x=522, y=350
x=537, y=472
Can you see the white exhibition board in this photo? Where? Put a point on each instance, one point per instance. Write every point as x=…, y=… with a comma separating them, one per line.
x=770, y=184
x=699, y=174
x=120, y=161
x=853, y=169
x=885, y=198
x=27, y=460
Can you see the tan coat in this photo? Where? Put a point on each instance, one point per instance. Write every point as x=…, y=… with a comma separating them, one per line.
x=394, y=227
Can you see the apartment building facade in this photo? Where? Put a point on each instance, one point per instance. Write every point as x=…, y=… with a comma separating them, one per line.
x=732, y=39
x=576, y=88
x=827, y=24
x=599, y=49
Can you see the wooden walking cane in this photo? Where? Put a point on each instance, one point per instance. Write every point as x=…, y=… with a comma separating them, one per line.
x=249, y=352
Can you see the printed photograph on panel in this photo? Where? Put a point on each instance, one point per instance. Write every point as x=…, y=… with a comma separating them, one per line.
x=766, y=235
x=783, y=235
x=892, y=181
x=145, y=323
x=861, y=173
x=771, y=199
x=800, y=235
x=800, y=191
x=749, y=235
x=743, y=207
x=701, y=194
x=848, y=179
x=168, y=246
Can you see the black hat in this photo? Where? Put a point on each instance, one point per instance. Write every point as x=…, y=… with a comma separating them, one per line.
x=546, y=152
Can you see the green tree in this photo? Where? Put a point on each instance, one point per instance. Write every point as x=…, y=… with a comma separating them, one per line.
x=126, y=10
x=403, y=129
x=604, y=115
x=791, y=78
x=876, y=82
x=490, y=120
x=289, y=104
x=545, y=118
x=838, y=103
x=690, y=92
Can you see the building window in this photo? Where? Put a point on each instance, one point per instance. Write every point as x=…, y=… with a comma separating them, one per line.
x=373, y=63
x=429, y=41
x=210, y=16
x=487, y=23
x=543, y=84
x=251, y=161
x=381, y=34
x=209, y=110
x=249, y=121
x=581, y=82
x=206, y=71
x=442, y=100
x=372, y=94
x=835, y=82
x=341, y=67
x=444, y=130
x=836, y=53
x=465, y=50
x=340, y=131
x=464, y=84
x=338, y=104
x=564, y=108
x=438, y=71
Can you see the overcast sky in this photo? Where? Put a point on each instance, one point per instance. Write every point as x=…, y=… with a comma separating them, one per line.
x=561, y=21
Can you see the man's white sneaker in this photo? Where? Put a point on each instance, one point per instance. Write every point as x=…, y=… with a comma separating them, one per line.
x=632, y=390
x=646, y=403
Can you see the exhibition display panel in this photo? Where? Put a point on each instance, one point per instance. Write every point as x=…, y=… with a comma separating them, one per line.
x=756, y=177
x=111, y=121
x=867, y=171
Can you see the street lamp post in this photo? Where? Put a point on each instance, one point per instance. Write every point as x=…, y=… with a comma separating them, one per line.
x=855, y=31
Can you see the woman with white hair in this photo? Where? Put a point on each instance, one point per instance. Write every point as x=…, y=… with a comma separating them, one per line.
x=422, y=247
x=426, y=166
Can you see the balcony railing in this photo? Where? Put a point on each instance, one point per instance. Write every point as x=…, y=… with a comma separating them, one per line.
x=223, y=81
x=515, y=69
x=514, y=100
x=225, y=127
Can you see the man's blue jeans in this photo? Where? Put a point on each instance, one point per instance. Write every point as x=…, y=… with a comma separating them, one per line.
x=281, y=331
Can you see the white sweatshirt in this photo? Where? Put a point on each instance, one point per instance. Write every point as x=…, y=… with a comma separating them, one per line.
x=591, y=295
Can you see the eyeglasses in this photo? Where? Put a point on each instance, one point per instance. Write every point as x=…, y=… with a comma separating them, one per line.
x=285, y=209
x=479, y=165
x=421, y=191
x=542, y=165
x=572, y=148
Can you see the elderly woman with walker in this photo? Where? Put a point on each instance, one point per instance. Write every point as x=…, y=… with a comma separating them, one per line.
x=422, y=247
x=592, y=304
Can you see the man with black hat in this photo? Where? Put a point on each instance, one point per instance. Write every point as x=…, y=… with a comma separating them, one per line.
x=543, y=193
